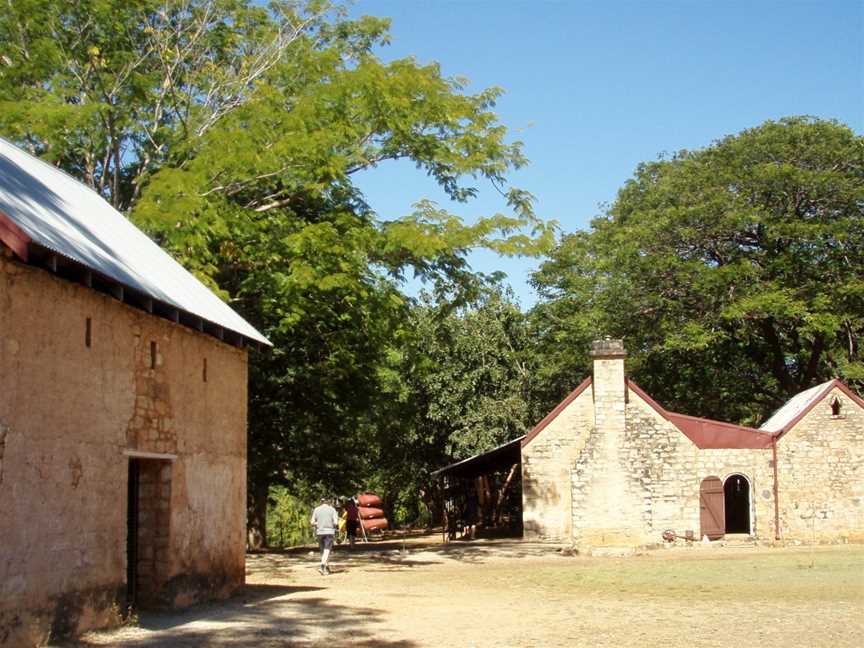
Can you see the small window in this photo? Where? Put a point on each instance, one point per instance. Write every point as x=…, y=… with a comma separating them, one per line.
x=836, y=407
x=88, y=333
x=152, y=355
x=204, y=370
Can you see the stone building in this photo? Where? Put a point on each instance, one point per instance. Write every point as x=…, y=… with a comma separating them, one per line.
x=610, y=466
x=122, y=416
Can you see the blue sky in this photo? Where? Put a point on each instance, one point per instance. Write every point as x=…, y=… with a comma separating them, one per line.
x=592, y=89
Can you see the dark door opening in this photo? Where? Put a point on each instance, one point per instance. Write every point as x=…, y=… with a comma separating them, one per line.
x=736, y=496
x=132, y=535
x=148, y=523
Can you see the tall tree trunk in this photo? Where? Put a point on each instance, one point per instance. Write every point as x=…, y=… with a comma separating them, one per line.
x=256, y=529
x=777, y=358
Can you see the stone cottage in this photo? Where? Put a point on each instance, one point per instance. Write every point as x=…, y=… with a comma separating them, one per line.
x=122, y=416
x=610, y=466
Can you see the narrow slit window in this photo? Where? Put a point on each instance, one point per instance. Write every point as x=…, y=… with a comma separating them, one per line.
x=88, y=332
x=204, y=370
x=152, y=355
x=836, y=407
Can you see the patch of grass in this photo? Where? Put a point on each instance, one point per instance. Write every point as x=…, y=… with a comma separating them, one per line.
x=834, y=576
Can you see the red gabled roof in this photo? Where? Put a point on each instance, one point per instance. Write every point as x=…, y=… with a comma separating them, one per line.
x=551, y=416
x=706, y=433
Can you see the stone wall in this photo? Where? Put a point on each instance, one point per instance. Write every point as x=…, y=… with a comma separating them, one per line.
x=668, y=469
x=821, y=474
x=607, y=500
x=631, y=483
x=76, y=399
x=547, y=462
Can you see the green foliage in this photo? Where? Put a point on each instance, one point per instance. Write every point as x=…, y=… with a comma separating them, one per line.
x=735, y=272
x=232, y=131
x=288, y=519
x=456, y=382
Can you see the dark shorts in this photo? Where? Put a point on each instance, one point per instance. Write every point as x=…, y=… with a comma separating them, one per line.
x=353, y=527
x=325, y=542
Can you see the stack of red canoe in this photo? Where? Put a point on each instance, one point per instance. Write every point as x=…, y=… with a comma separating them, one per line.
x=371, y=515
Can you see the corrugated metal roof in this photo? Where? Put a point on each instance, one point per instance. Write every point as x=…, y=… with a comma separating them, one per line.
x=795, y=406
x=62, y=214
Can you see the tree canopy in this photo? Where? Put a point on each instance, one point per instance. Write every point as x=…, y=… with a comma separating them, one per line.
x=736, y=272
x=232, y=132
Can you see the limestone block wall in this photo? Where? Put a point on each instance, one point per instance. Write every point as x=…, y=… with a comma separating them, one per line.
x=821, y=474
x=607, y=500
x=85, y=381
x=547, y=462
x=668, y=469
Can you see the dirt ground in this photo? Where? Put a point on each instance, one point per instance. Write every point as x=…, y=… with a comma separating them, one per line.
x=419, y=592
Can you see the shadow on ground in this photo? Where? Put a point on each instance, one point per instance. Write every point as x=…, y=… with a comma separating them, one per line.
x=286, y=602
x=259, y=615
x=393, y=553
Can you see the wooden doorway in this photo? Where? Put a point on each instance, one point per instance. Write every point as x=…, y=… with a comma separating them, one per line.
x=712, y=516
x=736, y=499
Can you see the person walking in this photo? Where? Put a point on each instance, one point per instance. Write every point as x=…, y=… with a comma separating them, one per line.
x=325, y=520
x=353, y=520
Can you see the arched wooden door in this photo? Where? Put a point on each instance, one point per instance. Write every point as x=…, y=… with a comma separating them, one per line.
x=712, y=511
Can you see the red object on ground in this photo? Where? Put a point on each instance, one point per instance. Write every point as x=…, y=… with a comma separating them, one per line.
x=375, y=524
x=368, y=512
x=369, y=499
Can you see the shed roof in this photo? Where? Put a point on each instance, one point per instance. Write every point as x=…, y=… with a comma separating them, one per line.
x=502, y=456
x=42, y=205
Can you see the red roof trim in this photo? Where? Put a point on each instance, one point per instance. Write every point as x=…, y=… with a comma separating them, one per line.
x=831, y=385
x=707, y=433
x=551, y=416
x=13, y=237
x=654, y=404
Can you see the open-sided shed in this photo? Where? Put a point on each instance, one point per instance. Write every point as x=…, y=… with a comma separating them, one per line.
x=493, y=477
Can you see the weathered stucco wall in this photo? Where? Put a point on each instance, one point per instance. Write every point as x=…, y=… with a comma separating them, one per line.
x=547, y=461
x=69, y=414
x=821, y=474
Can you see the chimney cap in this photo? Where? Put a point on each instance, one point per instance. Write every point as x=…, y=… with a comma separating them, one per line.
x=608, y=348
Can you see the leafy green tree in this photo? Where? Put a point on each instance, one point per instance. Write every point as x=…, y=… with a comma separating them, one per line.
x=112, y=90
x=735, y=272
x=232, y=132
x=270, y=216
x=456, y=383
